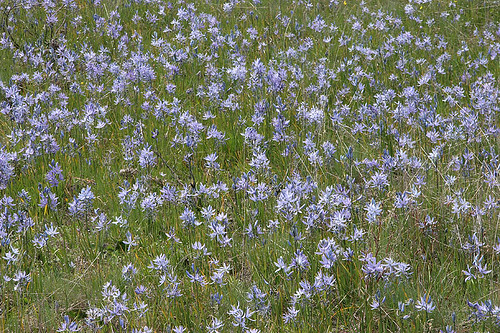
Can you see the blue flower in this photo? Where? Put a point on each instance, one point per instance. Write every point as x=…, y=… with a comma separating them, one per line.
x=68, y=326
x=425, y=304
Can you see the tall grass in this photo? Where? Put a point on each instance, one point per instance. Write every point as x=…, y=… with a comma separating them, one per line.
x=354, y=186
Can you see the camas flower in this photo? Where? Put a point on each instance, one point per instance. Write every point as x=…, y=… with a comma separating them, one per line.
x=54, y=176
x=425, y=304
x=6, y=169
x=83, y=203
x=147, y=157
x=373, y=210
x=68, y=326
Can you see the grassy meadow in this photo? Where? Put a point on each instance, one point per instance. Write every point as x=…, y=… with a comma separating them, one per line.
x=249, y=166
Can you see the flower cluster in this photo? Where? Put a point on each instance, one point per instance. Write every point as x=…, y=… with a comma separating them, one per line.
x=247, y=165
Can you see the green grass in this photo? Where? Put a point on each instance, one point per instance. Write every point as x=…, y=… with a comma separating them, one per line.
x=68, y=274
